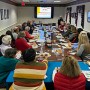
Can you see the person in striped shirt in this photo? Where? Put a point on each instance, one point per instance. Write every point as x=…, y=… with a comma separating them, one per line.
x=29, y=74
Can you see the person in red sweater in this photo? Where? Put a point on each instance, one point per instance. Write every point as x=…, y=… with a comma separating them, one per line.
x=28, y=36
x=69, y=77
x=21, y=43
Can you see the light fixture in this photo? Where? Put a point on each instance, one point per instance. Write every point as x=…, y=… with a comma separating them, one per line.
x=56, y=1
x=26, y=1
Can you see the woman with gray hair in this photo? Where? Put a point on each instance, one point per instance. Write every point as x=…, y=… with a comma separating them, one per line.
x=6, y=43
x=21, y=43
x=28, y=36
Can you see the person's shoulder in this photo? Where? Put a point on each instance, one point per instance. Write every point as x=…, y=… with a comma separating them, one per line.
x=2, y=57
x=82, y=45
x=82, y=75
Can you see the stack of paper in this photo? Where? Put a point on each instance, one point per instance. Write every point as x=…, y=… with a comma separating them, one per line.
x=87, y=74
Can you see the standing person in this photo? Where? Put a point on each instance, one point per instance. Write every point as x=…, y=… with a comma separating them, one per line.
x=61, y=27
x=29, y=74
x=69, y=76
x=7, y=64
x=59, y=20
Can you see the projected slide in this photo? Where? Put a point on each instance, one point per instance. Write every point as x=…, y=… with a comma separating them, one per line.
x=43, y=12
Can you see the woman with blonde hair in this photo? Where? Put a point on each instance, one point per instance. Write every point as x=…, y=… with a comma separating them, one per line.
x=69, y=77
x=83, y=45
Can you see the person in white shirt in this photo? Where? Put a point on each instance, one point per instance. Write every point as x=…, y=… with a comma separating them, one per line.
x=6, y=41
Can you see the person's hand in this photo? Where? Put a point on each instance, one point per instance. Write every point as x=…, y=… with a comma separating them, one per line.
x=69, y=44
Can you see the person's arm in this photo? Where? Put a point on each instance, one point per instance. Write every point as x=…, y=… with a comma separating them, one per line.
x=25, y=44
x=28, y=35
x=80, y=50
x=12, y=64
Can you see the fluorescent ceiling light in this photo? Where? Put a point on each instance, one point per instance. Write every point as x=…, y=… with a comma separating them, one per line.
x=57, y=1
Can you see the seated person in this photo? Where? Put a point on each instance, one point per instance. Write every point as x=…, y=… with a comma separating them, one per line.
x=15, y=33
x=33, y=23
x=28, y=36
x=13, y=40
x=7, y=64
x=73, y=37
x=68, y=32
x=75, y=34
x=31, y=27
x=69, y=76
x=24, y=25
x=29, y=74
x=21, y=43
x=6, y=43
x=20, y=27
x=83, y=45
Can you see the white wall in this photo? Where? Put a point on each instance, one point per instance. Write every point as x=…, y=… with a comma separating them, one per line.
x=27, y=13
x=12, y=16
x=86, y=24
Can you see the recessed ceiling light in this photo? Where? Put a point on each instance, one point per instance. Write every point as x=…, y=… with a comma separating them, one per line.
x=57, y=1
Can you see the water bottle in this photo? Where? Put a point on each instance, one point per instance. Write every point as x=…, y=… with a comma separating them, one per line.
x=42, y=44
x=62, y=51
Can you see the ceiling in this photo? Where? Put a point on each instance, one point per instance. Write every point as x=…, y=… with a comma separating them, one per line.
x=43, y=1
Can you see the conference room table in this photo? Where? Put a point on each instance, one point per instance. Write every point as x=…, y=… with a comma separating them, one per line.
x=56, y=44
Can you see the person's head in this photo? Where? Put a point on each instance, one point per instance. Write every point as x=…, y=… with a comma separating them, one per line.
x=70, y=67
x=79, y=30
x=83, y=38
x=24, y=24
x=6, y=40
x=10, y=33
x=29, y=55
x=27, y=28
x=16, y=29
x=19, y=26
x=10, y=52
x=21, y=34
x=62, y=22
x=73, y=29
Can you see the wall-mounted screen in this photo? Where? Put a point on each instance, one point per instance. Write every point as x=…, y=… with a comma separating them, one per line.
x=88, y=16
x=44, y=12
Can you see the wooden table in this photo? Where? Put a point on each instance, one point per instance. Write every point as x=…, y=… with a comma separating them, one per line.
x=53, y=56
